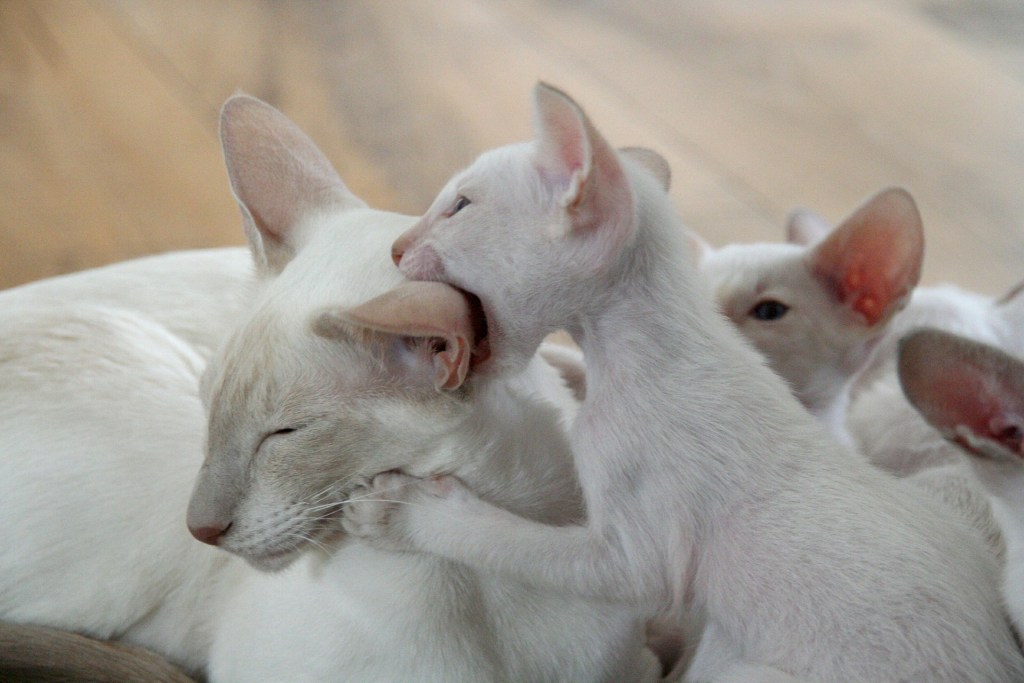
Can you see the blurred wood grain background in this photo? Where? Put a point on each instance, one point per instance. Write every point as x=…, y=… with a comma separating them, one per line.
x=108, y=110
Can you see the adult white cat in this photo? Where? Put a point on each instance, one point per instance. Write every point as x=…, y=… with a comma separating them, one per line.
x=100, y=405
x=973, y=394
x=707, y=485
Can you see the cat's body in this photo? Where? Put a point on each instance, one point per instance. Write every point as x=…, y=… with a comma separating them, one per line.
x=100, y=402
x=708, y=487
x=99, y=376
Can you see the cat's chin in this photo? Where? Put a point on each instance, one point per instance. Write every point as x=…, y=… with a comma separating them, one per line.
x=275, y=561
x=278, y=560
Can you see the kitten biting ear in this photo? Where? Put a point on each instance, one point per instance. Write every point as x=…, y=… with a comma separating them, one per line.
x=433, y=319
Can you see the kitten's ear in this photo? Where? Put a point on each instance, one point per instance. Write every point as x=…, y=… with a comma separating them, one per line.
x=805, y=227
x=653, y=162
x=277, y=175
x=585, y=172
x=872, y=261
x=971, y=392
x=430, y=323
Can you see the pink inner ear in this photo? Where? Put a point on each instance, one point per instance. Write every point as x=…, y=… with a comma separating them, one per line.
x=425, y=310
x=959, y=384
x=872, y=261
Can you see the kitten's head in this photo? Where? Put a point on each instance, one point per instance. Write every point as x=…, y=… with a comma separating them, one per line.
x=973, y=394
x=816, y=305
x=342, y=369
x=530, y=228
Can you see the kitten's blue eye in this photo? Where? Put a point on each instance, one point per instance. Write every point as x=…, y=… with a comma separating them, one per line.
x=461, y=202
x=769, y=310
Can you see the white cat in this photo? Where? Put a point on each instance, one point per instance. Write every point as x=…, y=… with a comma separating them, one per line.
x=100, y=406
x=707, y=485
x=817, y=305
x=973, y=394
x=827, y=308
x=103, y=430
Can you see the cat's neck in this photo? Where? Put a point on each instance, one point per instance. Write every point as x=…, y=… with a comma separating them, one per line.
x=677, y=381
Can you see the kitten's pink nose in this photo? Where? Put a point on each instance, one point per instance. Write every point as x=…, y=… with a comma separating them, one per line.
x=209, y=534
x=403, y=243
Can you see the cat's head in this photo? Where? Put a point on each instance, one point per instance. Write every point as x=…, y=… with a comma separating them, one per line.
x=814, y=306
x=341, y=368
x=530, y=227
x=973, y=394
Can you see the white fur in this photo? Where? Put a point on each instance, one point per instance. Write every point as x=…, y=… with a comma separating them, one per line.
x=104, y=428
x=708, y=487
x=887, y=429
x=975, y=418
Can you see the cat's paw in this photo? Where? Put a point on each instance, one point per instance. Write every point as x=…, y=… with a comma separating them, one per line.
x=382, y=511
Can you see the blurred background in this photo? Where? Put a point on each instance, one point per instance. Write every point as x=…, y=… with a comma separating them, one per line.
x=108, y=111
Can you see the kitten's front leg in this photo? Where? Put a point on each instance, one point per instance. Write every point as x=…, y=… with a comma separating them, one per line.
x=440, y=515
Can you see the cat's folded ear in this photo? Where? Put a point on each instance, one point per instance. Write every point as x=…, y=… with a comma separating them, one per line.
x=425, y=329
x=971, y=392
x=584, y=171
x=278, y=176
x=872, y=261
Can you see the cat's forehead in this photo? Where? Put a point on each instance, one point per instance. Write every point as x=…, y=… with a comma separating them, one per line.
x=748, y=266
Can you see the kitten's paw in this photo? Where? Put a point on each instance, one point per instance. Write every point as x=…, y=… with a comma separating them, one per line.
x=372, y=507
x=386, y=511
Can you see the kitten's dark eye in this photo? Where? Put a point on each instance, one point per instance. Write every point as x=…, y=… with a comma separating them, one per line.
x=461, y=202
x=769, y=310
x=285, y=430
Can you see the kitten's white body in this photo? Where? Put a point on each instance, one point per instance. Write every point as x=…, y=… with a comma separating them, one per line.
x=707, y=485
x=104, y=427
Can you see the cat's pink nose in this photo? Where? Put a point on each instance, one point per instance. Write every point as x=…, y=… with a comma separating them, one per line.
x=209, y=534
x=397, y=251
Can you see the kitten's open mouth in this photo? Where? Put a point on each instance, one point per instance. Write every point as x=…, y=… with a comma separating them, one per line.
x=481, y=337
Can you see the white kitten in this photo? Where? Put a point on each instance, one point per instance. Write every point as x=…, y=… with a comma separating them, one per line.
x=973, y=394
x=817, y=305
x=708, y=487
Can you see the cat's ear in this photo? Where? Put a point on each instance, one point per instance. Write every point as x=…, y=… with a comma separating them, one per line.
x=805, y=227
x=277, y=175
x=585, y=173
x=971, y=392
x=653, y=162
x=429, y=327
x=872, y=261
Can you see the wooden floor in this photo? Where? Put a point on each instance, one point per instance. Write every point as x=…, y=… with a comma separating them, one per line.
x=108, y=109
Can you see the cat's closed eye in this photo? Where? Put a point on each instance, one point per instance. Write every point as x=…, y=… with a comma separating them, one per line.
x=769, y=309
